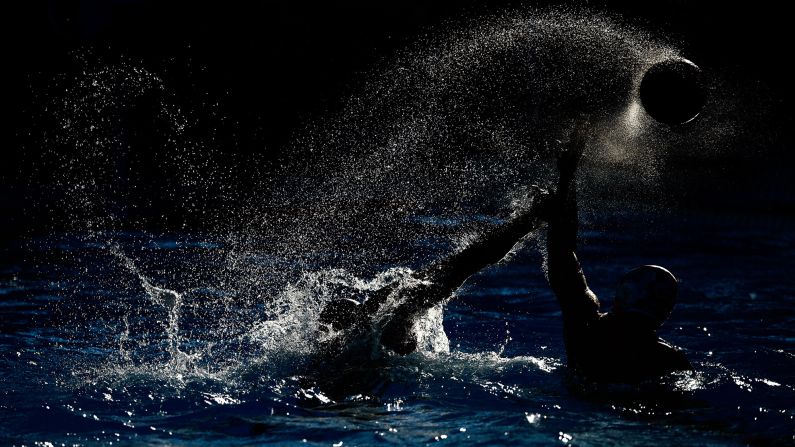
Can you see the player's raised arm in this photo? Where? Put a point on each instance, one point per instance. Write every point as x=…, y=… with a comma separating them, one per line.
x=563, y=269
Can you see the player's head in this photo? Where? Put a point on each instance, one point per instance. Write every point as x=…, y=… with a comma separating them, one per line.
x=646, y=294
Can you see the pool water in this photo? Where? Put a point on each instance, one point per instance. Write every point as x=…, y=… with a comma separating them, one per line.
x=121, y=340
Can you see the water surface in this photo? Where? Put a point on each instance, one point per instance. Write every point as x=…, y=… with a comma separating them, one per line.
x=94, y=354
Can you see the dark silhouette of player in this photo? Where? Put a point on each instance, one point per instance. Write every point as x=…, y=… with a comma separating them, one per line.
x=621, y=346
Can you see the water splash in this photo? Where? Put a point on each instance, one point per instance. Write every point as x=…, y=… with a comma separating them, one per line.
x=169, y=300
x=433, y=151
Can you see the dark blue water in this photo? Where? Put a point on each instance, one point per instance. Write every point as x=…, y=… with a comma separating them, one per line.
x=97, y=351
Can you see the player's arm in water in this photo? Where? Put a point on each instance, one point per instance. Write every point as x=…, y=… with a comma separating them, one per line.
x=445, y=277
x=452, y=272
x=440, y=280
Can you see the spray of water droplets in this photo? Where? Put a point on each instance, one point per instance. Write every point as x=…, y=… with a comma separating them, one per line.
x=435, y=148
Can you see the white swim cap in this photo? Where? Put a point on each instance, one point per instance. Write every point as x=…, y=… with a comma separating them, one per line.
x=648, y=291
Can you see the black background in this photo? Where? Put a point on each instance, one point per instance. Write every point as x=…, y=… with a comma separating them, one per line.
x=273, y=65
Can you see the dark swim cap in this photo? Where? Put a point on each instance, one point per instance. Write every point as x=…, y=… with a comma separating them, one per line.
x=648, y=291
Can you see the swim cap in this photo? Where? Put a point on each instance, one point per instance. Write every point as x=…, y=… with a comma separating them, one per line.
x=648, y=291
